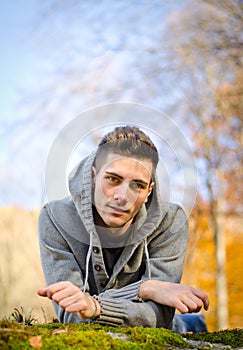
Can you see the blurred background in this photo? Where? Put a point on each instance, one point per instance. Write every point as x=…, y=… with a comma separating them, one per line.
x=183, y=58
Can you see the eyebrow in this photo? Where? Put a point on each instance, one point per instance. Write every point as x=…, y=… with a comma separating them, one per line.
x=120, y=177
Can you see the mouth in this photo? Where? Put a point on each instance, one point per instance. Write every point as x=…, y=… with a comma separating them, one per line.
x=117, y=210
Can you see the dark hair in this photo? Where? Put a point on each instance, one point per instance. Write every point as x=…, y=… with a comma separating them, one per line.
x=127, y=141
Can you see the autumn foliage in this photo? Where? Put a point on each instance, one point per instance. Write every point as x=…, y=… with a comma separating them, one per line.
x=201, y=267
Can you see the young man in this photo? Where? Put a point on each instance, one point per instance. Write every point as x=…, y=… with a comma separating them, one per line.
x=113, y=252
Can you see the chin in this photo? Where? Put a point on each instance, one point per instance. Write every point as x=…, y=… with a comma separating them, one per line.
x=115, y=223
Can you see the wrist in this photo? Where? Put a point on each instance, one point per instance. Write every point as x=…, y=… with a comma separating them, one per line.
x=144, y=290
x=97, y=309
x=149, y=289
x=93, y=309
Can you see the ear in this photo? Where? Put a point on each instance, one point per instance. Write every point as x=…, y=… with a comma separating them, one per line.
x=151, y=186
x=93, y=171
x=94, y=175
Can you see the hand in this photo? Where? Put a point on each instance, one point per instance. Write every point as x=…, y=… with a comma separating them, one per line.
x=182, y=297
x=71, y=299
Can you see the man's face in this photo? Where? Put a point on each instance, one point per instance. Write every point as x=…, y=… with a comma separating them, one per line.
x=122, y=185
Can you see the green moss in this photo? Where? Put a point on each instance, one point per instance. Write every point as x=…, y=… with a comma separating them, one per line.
x=85, y=336
x=155, y=338
x=13, y=335
x=56, y=336
x=233, y=337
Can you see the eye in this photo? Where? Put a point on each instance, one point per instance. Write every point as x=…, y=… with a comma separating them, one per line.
x=137, y=186
x=112, y=179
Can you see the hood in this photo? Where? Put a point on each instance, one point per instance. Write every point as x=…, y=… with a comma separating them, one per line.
x=80, y=187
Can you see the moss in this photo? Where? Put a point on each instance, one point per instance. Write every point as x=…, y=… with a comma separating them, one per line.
x=232, y=337
x=55, y=336
x=155, y=338
x=85, y=336
x=13, y=335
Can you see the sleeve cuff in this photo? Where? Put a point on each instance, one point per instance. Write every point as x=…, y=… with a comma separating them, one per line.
x=113, y=312
x=129, y=292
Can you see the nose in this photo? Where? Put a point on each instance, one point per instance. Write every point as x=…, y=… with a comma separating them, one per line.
x=121, y=193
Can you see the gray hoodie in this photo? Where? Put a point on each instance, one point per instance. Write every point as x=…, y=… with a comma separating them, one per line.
x=73, y=249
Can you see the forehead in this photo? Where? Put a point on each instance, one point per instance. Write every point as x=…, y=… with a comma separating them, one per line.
x=126, y=166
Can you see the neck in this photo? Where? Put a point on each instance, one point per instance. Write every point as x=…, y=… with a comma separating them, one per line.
x=120, y=231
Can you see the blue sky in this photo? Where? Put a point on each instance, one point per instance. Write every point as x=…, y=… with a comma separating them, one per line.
x=15, y=63
x=18, y=67
x=19, y=71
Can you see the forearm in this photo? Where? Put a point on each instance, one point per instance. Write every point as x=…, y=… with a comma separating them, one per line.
x=120, y=312
x=120, y=307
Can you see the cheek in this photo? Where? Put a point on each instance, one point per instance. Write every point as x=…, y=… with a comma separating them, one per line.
x=139, y=201
x=103, y=191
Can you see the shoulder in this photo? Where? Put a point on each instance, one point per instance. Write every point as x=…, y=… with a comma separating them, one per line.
x=58, y=207
x=62, y=213
x=174, y=214
x=173, y=210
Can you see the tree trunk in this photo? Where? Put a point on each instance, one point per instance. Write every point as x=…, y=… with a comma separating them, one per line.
x=221, y=279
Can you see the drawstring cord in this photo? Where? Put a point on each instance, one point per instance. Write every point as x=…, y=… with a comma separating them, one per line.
x=147, y=257
x=87, y=261
x=90, y=252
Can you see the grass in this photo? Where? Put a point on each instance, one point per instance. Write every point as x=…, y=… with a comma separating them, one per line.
x=22, y=317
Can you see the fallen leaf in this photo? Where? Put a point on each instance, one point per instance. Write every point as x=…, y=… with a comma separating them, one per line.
x=60, y=331
x=36, y=342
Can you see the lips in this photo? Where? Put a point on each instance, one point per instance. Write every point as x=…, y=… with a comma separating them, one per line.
x=117, y=210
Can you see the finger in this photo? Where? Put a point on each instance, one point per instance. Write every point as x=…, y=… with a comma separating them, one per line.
x=79, y=306
x=203, y=296
x=206, y=303
x=197, y=310
x=198, y=303
x=73, y=299
x=53, y=289
x=181, y=307
x=68, y=292
x=42, y=292
x=193, y=304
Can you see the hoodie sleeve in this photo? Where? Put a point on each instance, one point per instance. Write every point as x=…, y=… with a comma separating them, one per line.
x=58, y=262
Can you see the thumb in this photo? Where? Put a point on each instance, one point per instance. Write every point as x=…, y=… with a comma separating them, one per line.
x=42, y=292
